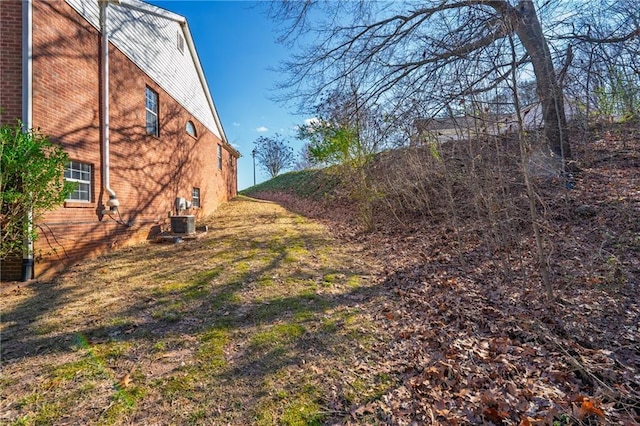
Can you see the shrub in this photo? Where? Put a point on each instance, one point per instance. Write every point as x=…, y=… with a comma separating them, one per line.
x=31, y=182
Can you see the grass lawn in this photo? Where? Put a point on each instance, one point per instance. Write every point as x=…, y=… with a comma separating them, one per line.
x=263, y=320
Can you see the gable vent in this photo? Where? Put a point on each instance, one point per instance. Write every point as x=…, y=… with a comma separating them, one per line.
x=180, y=42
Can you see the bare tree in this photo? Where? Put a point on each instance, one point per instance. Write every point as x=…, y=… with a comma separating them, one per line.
x=343, y=130
x=432, y=52
x=273, y=154
x=607, y=69
x=304, y=160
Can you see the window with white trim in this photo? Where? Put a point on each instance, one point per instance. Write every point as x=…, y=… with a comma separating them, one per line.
x=195, y=197
x=219, y=157
x=80, y=174
x=151, y=106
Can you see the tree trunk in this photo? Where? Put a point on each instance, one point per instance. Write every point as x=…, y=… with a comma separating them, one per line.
x=529, y=31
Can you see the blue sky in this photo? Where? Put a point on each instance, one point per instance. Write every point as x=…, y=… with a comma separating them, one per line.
x=237, y=45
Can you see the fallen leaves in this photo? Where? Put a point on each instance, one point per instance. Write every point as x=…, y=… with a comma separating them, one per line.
x=476, y=342
x=495, y=416
x=469, y=355
x=125, y=381
x=587, y=408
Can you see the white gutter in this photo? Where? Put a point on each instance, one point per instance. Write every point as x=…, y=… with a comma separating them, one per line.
x=148, y=9
x=27, y=119
x=113, y=202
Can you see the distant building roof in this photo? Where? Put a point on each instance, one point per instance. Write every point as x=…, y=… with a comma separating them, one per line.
x=454, y=128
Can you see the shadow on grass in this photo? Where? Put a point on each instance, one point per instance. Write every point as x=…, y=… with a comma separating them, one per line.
x=259, y=300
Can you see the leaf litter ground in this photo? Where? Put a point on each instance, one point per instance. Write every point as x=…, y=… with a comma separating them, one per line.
x=475, y=345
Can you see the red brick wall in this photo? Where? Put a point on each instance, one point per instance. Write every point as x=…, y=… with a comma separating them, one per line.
x=11, y=269
x=10, y=91
x=147, y=172
x=10, y=61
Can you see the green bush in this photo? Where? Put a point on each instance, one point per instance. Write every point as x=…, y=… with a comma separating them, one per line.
x=31, y=180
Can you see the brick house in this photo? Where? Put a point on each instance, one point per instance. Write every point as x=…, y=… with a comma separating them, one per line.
x=155, y=136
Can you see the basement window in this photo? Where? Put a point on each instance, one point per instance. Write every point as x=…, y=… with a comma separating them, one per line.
x=79, y=174
x=151, y=107
x=195, y=197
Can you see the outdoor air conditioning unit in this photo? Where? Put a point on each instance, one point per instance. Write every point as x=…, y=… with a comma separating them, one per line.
x=183, y=224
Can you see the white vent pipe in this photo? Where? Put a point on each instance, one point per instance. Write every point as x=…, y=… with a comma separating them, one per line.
x=113, y=202
x=27, y=120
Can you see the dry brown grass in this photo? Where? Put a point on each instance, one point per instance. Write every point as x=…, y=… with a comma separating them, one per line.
x=265, y=319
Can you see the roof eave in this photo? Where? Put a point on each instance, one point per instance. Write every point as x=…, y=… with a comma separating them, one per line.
x=163, y=13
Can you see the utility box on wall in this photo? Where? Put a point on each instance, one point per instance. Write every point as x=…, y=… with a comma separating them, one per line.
x=183, y=224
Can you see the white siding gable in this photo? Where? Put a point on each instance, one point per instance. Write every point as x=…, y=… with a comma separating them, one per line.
x=150, y=40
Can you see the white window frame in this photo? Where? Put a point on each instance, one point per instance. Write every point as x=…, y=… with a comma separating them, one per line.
x=152, y=109
x=219, y=157
x=195, y=197
x=81, y=174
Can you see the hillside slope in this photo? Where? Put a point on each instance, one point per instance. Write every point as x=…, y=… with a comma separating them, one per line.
x=475, y=338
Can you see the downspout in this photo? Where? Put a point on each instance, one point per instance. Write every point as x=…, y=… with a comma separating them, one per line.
x=27, y=121
x=113, y=203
